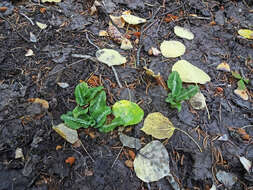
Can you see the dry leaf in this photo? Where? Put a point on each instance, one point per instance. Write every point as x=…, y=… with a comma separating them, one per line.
x=242, y=94
x=131, y=19
x=29, y=53
x=44, y=103
x=223, y=67
x=50, y=1
x=246, y=33
x=70, y=160
x=183, y=33
x=190, y=73
x=157, y=125
x=172, y=48
x=103, y=33
x=129, y=163
x=246, y=163
x=41, y=25
x=68, y=134
x=126, y=44
x=110, y=57
x=118, y=21
x=198, y=101
x=152, y=163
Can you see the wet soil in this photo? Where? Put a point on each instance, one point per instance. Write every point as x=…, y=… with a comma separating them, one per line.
x=72, y=30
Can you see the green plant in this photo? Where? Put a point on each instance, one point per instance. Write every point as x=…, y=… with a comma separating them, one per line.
x=178, y=94
x=241, y=83
x=92, y=111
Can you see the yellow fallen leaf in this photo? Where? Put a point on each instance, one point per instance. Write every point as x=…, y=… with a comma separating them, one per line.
x=223, y=67
x=41, y=25
x=183, y=33
x=242, y=93
x=29, y=53
x=131, y=19
x=103, y=33
x=51, y=1
x=172, y=48
x=68, y=134
x=158, y=126
x=110, y=57
x=190, y=73
x=126, y=44
x=246, y=33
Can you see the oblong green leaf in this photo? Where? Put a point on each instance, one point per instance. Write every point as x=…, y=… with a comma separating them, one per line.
x=76, y=123
x=80, y=91
x=79, y=111
x=174, y=83
x=128, y=111
x=99, y=110
x=110, y=127
x=186, y=94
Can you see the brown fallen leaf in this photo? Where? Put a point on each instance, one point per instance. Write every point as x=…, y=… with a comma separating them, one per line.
x=70, y=160
x=129, y=163
x=131, y=154
x=44, y=103
x=3, y=9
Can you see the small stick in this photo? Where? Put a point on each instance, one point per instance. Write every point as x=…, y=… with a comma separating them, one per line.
x=86, y=151
x=30, y=20
x=116, y=76
x=117, y=156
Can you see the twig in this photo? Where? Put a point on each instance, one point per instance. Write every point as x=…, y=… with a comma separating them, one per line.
x=86, y=151
x=30, y=20
x=13, y=28
x=117, y=156
x=87, y=37
x=68, y=66
x=116, y=76
x=200, y=149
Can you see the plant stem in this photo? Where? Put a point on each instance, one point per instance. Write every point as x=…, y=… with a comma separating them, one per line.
x=200, y=149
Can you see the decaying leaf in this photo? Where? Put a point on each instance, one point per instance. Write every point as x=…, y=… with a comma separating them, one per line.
x=126, y=44
x=228, y=179
x=246, y=33
x=118, y=21
x=103, y=33
x=246, y=163
x=29, y=53
x=198, y=101
x=130, y=142
x=157, y=125
x=51, y=1
x=41, y=25
x=19, y=154
x=63, y=84
x=152, y=162
x=114, y=33
x=183, y=33
x=172, y=48
x=128, y=111
x=131, y=19
x=190, y=73
x=223, y=67
x=110, y=57
x=242, y=94
x=65, y=132
x=44, y=103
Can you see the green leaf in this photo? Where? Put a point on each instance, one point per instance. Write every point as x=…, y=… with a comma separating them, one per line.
x=174, y=104
x=84, y=121
x=117, y=121
x=241, y=85
x=92, y=92
x=246, y=80
x=236, y=75
x=79, y=111
x=99, y=110
x=80, y=92
x=186, y=94
x=128, y=111
x=174, y=83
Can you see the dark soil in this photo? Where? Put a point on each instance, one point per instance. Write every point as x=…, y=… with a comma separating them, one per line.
x=28, y=126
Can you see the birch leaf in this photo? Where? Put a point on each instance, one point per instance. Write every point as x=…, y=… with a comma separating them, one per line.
x=246, y=33
x=190, y=73
x=152, y=163
x=198, y=101
x=158, y=126
x=183, y=33
x=41, y=25
x=126, y=44
x=110, y=57
x=131, y=19
x=172, y=48
x=65, y=132
x=223, y=67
